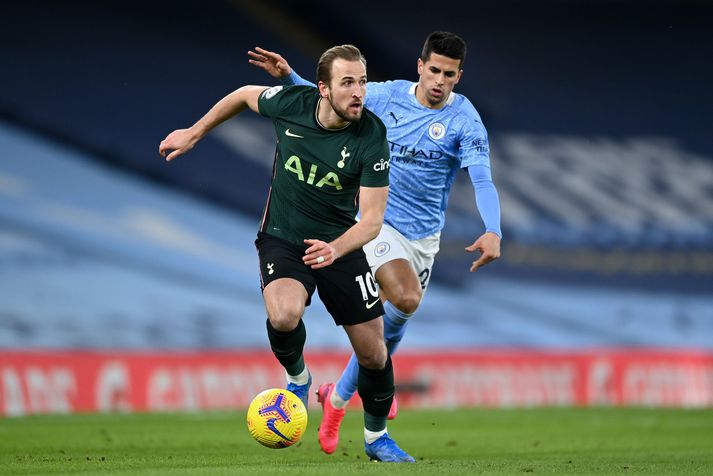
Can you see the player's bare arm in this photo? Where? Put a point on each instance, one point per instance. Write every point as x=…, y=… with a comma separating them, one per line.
x=181, y=141
x=489, y=246
x=269, y=61
x=372, y=204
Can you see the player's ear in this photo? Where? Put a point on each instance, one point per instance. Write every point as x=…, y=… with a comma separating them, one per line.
x=419, y=66
x=323, y=89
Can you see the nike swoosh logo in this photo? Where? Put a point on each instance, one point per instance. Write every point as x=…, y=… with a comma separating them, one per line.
x=291, y=134
x=383, y=399
x=369, y=305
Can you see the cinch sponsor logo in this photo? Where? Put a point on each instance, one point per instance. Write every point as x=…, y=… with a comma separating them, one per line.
x=381, y=165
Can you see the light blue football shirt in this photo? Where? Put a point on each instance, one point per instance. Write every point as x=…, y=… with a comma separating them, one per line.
x=427, y=147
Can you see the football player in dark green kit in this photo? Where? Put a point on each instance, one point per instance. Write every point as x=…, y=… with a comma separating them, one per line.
x=332, y=161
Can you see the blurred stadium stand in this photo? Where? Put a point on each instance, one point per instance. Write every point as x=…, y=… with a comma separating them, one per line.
x=598, y=114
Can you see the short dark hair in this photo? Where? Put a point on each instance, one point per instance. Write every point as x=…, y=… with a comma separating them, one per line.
x=345, y=52
x=444, y=43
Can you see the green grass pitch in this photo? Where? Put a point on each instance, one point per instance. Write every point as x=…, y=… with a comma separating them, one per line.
x=567, y=441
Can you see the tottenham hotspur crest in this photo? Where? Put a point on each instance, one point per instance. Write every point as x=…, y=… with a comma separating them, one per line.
x=345, y=154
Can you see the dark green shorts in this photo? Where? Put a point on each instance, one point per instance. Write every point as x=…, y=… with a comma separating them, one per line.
x=346, y=287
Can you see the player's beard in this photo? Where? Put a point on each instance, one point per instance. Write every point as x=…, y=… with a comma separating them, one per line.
x=343, y=113
x=435, y=101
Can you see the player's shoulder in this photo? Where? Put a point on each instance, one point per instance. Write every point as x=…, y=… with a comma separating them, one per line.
x=293, y=92
x=465, y=117
x=290, y=99
x=392, y=87
x=301, y=88
x=399, y=84
x=288, y=92
x=462, y=106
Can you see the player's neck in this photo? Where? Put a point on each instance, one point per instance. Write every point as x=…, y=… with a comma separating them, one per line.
x=328, y=118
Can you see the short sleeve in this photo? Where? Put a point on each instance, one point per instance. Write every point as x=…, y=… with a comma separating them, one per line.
x=269, y=101
x=473, y=147
x=376, y=164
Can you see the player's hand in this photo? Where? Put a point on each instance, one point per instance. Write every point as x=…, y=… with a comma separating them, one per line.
x=177, y=143
x=319, y=254
x=274, y=64
x=489, y=246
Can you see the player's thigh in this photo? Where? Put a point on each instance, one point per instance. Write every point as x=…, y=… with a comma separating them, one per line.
x=422, y=254
x=286, y=282
x=285, y=301
x=397, y=279
x=392, y=252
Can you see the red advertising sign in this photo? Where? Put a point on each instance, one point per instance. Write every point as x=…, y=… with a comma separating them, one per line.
x=68, y=382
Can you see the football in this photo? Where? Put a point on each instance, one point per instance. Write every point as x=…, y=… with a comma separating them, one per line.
x=277, y=418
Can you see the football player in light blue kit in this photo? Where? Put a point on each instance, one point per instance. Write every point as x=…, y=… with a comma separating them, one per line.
x=432, y=133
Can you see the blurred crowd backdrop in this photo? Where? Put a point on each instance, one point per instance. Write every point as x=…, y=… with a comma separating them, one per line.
x=599, y=121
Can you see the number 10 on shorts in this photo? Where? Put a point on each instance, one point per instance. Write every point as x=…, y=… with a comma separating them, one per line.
x=367, y=282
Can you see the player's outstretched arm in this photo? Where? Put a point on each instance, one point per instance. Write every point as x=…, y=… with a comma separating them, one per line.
x=276, y=66
x=489, y=246
x=270, y=62
x=488, y=204
x=181, y=141
x=372, y=204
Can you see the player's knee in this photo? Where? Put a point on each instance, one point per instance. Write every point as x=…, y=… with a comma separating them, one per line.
x=285, y=319
x=375, y=359
x=407, y=301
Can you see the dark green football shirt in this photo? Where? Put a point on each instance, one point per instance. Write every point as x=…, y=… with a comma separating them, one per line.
x=318, y=171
